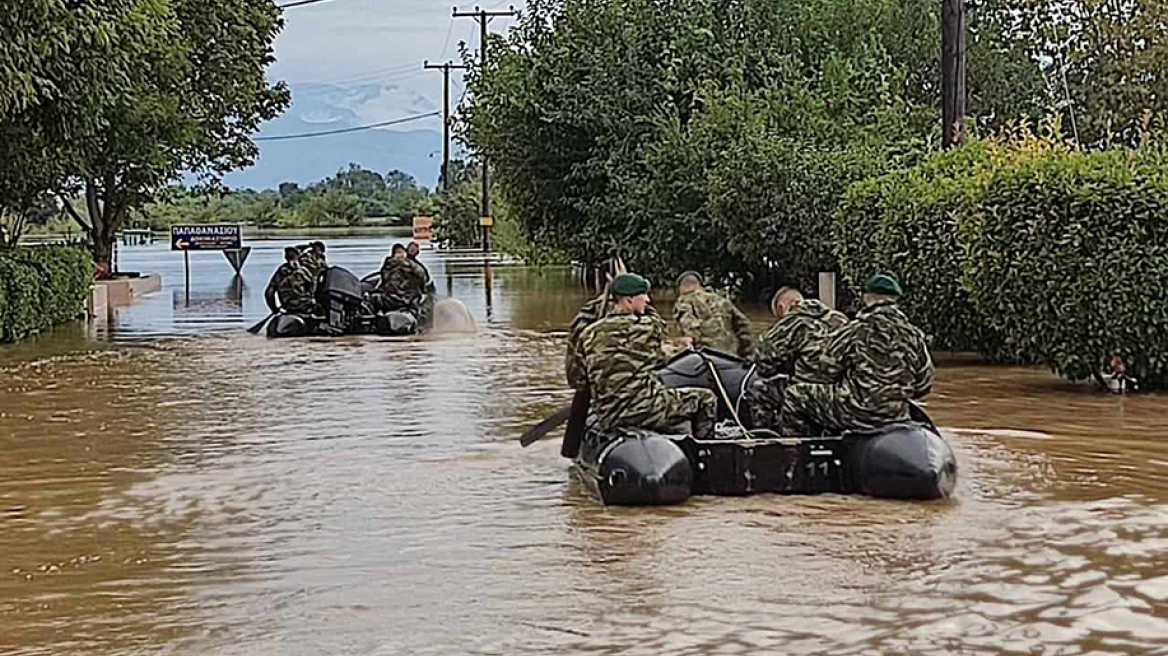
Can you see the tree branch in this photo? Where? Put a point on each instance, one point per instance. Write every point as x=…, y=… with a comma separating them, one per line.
x=73, y=213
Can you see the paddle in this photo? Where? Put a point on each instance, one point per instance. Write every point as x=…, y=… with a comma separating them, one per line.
x=578, y=409
x=255, y=330
x=574, y=434
x=546, y=426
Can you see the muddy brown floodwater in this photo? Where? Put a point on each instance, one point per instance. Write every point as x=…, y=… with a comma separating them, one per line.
x=173, y=485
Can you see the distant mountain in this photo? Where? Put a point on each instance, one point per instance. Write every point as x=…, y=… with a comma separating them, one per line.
x=318, y=108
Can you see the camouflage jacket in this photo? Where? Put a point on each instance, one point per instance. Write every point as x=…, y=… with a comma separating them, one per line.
x=293, y=285
x=591, y=312
x=403, y=280
x=620, y=353
x=882, y=361
x=313, y=263
x=794, y=344
x=713, y=321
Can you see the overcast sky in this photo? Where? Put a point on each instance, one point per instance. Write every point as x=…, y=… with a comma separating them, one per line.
x=359, y=44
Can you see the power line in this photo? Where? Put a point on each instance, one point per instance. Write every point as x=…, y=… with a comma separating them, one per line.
x=394, y=74
x=358, y=128
x=299, y=3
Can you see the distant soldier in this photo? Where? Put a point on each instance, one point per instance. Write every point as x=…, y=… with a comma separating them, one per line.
x=876, y=365
x=620, y=353
x=291, y=285
x=412, y=252
x=313, y=259
x=792, y=347
x=709, y=320
x=403, y=283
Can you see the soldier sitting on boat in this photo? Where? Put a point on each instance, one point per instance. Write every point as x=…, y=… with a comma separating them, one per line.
x=403, y=284
x=291, y=288
x=876, y=365
x=313, y=259
x=412, y=252
x=789, y=351
x=619, y=353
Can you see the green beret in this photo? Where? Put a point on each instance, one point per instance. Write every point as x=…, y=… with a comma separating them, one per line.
x=882, y=283
x=686, y=274
x=629, y=284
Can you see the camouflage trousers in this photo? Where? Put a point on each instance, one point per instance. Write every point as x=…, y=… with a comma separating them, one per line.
x=765, y=401
x=298, y=305
x=380, y=302
x=666, y=408
x=814, y=409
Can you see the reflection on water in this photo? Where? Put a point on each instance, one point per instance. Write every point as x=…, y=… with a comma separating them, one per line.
x=172, y=484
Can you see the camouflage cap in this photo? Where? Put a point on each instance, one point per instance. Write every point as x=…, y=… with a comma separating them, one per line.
x=629, y=284
x=882, y=283
x=687, y=274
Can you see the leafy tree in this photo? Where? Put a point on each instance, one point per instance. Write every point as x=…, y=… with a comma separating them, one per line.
x=1105, y=71
x=461, y=172
x=398, y=182
x=333, y=208
x=150, y=88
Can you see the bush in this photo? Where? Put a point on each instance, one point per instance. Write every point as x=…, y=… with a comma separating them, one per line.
x=1025, y=250
x=905, y=223
x=1068, y=259
x=42, y=287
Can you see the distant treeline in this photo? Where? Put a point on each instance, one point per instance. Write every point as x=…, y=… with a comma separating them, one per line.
x=345, y=199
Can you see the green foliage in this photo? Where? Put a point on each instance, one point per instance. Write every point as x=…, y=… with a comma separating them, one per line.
x=41, y=287
x=1026, y=250
x=1069, y=257
x=116, y=98
x=456, y=216
x=905, y=223
x=333, y=208
x=677, y=133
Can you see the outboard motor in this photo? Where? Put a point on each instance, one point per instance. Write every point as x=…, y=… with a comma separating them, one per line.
x=339, y=294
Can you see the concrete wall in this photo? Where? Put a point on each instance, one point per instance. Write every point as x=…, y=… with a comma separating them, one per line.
x=108, y=295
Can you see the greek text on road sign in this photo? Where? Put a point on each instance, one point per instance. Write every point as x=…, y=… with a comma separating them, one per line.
x=205, y=237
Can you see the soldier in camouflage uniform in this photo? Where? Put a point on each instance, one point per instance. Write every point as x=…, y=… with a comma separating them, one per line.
x=591, y=312
x=877, y=363
x=620, y=353
x=312, y=258
x=292, y=285
x=709, y=320
x=403, y=283
x=792, y=347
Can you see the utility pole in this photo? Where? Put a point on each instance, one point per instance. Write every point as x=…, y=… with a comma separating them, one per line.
x=484, y=17
x=445, y=116
x=952, y=72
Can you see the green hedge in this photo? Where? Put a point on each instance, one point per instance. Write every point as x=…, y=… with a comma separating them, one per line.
x=1069, y=260
x=1025, y=251
x=906, y=223
x=42, y=287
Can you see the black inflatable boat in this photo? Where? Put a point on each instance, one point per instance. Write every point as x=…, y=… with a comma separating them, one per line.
x=341, y=296
x=634, y=467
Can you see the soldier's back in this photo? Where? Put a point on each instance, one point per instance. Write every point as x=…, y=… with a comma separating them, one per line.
x=707, y=318
x=619, y=353
x=795, y=345
x=886, y=361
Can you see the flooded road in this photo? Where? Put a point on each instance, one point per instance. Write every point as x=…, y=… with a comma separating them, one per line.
x=172, y=485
